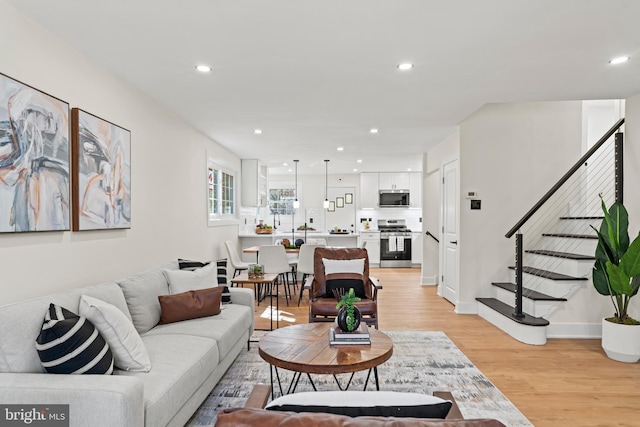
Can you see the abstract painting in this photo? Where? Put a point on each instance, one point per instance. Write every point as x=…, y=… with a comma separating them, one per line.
x=34, y=159
x=102, y=173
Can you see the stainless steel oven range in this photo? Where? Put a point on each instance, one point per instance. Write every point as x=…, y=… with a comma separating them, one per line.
x=395, y=243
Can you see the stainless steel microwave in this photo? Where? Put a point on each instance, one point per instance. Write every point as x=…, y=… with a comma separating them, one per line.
x=394, y=199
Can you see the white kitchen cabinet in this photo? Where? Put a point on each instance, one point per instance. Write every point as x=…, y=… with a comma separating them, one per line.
x=416, y=247
x=254, y=183
x=415, y=189
x=393, y=180
x=368, y=190
x=371, y=241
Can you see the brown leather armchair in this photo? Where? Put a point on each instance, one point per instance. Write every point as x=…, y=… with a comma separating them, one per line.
x=322, y=303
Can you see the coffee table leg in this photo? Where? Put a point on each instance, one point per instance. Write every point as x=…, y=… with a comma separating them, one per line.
x=375, y=375
x=278, y=378
x=277, y=305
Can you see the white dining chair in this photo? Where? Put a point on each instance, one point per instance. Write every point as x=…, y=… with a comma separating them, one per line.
x=234, y=259
x=305, y=264
x=274, y=260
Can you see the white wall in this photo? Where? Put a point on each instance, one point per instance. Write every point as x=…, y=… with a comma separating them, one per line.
x=446, y=151
x=511, y=154
x=168, y=175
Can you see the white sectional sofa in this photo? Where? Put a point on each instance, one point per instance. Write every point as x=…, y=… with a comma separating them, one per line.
x=187, y=358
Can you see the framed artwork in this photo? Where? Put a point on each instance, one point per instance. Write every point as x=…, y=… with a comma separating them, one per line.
x=34, y=159
x=348, y=198
x=339, y=202
x=332, y=206
x=101, y=158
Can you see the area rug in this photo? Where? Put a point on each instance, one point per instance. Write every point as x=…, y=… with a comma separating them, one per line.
x=422, y=362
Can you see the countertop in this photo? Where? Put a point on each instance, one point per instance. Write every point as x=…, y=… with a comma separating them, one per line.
x=310, y=234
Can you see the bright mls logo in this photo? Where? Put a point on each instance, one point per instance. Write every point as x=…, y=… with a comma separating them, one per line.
x=34, y=415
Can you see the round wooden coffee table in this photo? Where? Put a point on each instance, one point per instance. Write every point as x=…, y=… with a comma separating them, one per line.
x=305, y=349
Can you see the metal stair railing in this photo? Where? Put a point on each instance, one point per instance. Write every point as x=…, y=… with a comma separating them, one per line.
x=598, y=173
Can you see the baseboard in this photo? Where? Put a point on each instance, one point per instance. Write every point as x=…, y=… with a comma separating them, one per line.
x=429, y=281
x=466, y=307
x=574, y=330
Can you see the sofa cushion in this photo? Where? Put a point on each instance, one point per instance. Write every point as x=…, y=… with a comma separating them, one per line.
x=190, y=305
x=226, y=328
x=362, y=403
x=180, y=364
x=199, y=275
x=141, y=292
x=264, y=418
x=188, y=280
x=70, y=344
x=126, y=345
x=24, y=319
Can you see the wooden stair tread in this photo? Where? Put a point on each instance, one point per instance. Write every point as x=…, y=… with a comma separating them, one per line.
x=527, y=293
x=581, y=217
x=547, y=274
x=572, y=236
x=566, y=255
x=507, y=310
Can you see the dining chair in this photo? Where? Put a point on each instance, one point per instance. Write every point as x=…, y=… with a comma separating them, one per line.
x=234, y=259
x=274, y=260
x=305, y=264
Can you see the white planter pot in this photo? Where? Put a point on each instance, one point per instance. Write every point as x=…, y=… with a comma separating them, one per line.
x=621, y=342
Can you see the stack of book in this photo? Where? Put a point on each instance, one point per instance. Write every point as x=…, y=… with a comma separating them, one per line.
x=360, y=336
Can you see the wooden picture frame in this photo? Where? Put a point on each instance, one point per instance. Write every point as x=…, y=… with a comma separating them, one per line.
x=34, y=160
x=339, y=202
x=348, y=198
x=332, y=206
x=101, y=159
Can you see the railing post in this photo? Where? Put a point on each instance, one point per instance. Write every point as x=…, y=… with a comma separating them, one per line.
x=518, y=308
x=619, y=167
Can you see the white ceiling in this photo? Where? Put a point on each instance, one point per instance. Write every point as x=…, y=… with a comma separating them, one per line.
x=315, y=75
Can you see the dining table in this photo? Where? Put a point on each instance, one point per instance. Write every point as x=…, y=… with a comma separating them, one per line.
x=256, y=250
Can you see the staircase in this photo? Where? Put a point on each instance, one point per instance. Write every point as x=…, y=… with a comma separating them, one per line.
x=551, y=275
x=555, y=259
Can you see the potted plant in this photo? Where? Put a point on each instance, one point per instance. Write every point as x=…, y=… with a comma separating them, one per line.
x=349, y=316
x=616, y=273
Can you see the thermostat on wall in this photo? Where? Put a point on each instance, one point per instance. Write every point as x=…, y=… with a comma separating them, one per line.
x=471, y=195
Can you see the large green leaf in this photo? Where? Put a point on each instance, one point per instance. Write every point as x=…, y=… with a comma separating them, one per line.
x=617, y=222
x=604, y=252
x=619, y=281
x=630, y=262
x=600, y=278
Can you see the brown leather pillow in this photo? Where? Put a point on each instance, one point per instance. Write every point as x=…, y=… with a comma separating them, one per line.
x=190, y=304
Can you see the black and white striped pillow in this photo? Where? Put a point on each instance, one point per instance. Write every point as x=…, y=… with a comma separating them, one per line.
x=70, y=344
x=221, y=265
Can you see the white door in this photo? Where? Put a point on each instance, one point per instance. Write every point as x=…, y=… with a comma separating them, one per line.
x=449, y=236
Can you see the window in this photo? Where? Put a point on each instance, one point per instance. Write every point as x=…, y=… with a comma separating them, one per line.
x=281, y=201
x=221, y=193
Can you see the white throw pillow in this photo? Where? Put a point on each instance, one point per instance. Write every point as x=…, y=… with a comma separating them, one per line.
x=333, y=266
x=129, y=352
x=183, y=280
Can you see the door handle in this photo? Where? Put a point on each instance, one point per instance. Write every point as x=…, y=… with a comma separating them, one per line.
x=455, y=242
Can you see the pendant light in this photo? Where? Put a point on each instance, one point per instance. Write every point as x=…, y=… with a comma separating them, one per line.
x=326, y=184
x=296, y=202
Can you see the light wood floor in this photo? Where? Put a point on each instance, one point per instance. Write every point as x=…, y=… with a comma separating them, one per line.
x=563, y=383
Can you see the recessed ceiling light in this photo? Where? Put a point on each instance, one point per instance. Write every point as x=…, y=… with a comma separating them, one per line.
x=290, y=170
x=619, y=60
x=408, y=169
x=203, y=68
x=355, y=170
x=373, y=130
x=285, y=164
x=405, y=66
x=257, y=131
x=359, y=160
x=340, y=148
